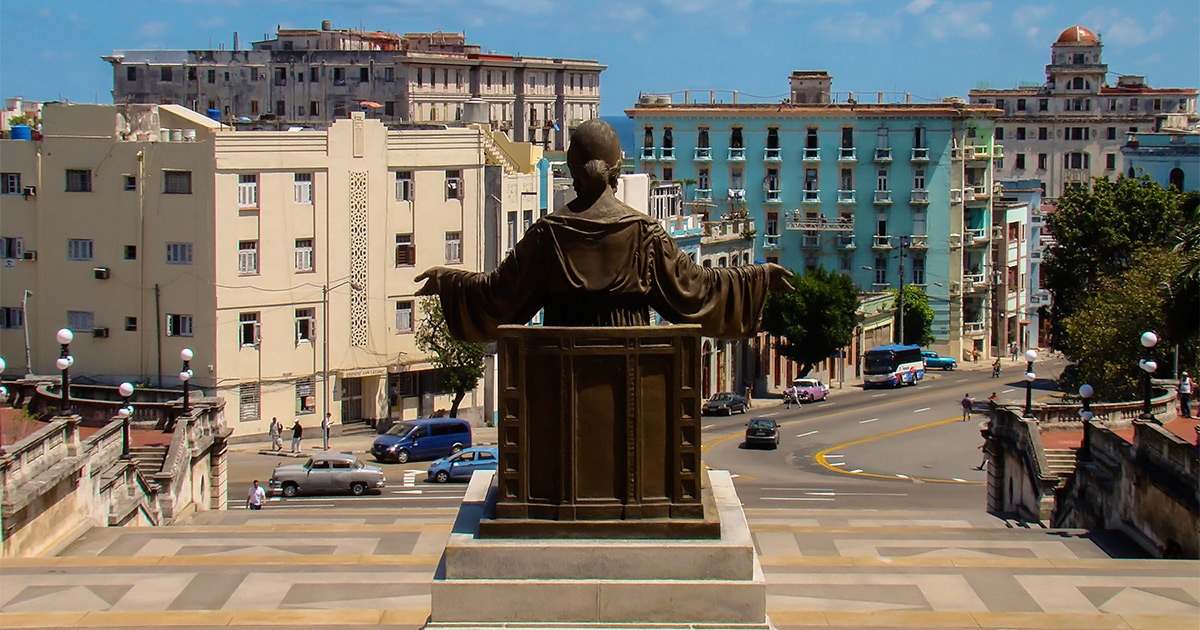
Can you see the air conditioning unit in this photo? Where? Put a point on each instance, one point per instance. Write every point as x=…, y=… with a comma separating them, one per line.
x=956, y=240
x=29, y=191
x=997, y=232
x=100, y=333
x=29, y=255
x=101, y=273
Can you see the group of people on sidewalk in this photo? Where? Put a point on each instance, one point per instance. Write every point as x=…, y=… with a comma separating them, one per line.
x=275, y=431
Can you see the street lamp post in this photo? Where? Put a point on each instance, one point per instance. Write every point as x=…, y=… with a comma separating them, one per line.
x=185, y=375
x=125, y=412
x=1149, y=366
x=1085, y=395
x=64, y=362
x=325, y=289
x=1030, y=356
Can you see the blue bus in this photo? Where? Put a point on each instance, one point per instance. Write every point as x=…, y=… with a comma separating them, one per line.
x=892, y=366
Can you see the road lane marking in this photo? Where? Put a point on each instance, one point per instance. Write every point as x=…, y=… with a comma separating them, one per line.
x=824, y=405
x=807, y=434
x=410, y=478
x=1005, y=391
x=768, y=415
x=798, y=499
x=819, y=458
x=902, y=476
x=856, y=470
x=708, y=426
x=837, y=463
x=832, y=455
x=878, y=395
x=962, y=380
x=867, y=420
x=959, y=480
x=921, y=409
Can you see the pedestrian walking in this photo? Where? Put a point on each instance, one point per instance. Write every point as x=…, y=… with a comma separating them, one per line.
x=1185, y=394
x=325, y=424
x=256, y=497
x=975, y=355
x=1014, y=350
x=967, y=403
x=986, y=433
x=297, y=433
x=276, y=433
x=746, y=387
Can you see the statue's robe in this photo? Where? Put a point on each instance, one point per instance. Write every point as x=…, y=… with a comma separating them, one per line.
x=603, y=269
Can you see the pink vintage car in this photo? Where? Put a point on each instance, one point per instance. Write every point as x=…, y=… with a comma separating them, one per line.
x=806, y=390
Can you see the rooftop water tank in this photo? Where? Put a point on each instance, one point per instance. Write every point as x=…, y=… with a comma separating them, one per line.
x=475, y=111
x=20, y=132
x=215, y=114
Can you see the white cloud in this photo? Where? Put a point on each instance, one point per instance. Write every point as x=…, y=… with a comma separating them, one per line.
x=153, y=30
x=964, y=20
x=917, y=7
x=1028, y=20
x=855, y=26
x=626, y=12
x=1125, y=30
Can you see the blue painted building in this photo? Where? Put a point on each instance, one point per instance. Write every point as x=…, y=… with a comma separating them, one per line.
x=1170, y=157
x=868, y=189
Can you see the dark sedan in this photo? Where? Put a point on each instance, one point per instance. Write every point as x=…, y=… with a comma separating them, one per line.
x=725, y=403
x=762, y=432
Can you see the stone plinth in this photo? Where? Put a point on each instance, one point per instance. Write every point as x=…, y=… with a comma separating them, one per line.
x=485, y=583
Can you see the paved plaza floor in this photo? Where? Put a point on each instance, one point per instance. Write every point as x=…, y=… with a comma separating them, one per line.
x=372, y=568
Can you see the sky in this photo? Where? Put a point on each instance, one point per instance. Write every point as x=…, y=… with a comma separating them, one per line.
x=929, y=48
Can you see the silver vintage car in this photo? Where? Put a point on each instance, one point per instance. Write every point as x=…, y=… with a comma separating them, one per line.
x=326, y=474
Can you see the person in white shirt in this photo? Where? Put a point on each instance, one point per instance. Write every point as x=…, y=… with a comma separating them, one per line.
x=325, y=424
x=256, y=497
x=1185, y=394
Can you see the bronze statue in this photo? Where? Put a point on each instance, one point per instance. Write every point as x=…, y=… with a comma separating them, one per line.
x=599, y=262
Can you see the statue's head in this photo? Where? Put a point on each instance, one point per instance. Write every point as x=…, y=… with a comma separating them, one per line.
x=594, y=156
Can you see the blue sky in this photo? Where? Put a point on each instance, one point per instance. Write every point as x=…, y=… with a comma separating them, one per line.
x=930, y=48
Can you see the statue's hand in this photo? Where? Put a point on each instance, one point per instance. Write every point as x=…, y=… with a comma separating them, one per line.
x=778, y=278
x=432, y=278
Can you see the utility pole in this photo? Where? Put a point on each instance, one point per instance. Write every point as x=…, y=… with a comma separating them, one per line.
x=904, y=242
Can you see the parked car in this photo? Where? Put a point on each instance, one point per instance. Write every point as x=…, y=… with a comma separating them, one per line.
x=464, y=464
x=724, y=402
x=422, y=438
x=934, y=360
x=762, y=431
x=326, y=474
x=806, y=390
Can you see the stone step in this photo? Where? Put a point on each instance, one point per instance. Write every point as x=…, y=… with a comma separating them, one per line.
x=357, y=428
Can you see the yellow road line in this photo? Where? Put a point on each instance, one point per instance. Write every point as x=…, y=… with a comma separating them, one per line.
x=820, y=457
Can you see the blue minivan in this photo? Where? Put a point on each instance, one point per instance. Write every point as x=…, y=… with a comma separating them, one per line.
x=422, y=438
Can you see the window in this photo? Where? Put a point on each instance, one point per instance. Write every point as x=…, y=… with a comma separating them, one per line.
x=1133, y=105
x=306, y=402
x=703, y=181
x=11, y=247
x=1020, y=133
x=735, y=139
x=1020, y=104
x=999, y=133
x=406, y=252
x=389, y=108
x=454, y=185
x=339, y=76
x=847, y=180
x=1076, y=160
x=389, y=74
x=179, y=253
x=314, y=72
x=80, y=321
x=364, y=75
x=918, y=223
x=1014, y=231
x=845, y=262
x=1112, y=133
x=881, y=181
x=1043, y=133
x=79, y=249
x=1020, y=161
x=281, y=108
x=211, y=76
x=166, y=74
x=1041, y=161
x=304, y=255
x=130, y=183
x=847, y=137
x=179, y=325
x=881, y=269
x=79, y=180
x=10, y=183
x=918, y=270
x=404, y=316
x=302, y=188
x=248, y=258
x=1110, y=161
x=918, y=137
x=312, y=109
x=131, y=73
x=177, y=182
x=131, y=252
x=248, y=397
x=999, y=103
x=11, y=317
x=918, y=179
x=250, y=333
x=702, y=140
x=248, y=191
x=453, y=247
x=1078, y=133
x=404, y=186
x=1043, y=105
x=306, y=324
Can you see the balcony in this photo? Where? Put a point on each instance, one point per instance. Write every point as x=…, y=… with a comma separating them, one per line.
x=976, y=192
x=973, y=330
x=771, y=241
x=737, y=154
x=976, y=237
x=773, y=154
x=846, y=197
x=880, y=287
x=920, y=197
x=920, y=154
x=774, y=195
x=977, y=152
x=881, y=242
x=649, y=154
x=812, y=154
x=668, y=154
x=736, y=194
x=703, y=194
x=812, y=196
x=883, y=197
x=810, y=241
x=918, y=241
x=883, y=155
x=846, y=241
x=956, y=195
x=956, y=153
x=797, y=221
x=703, y=154
x=731, y=229
x=1035, y=217
x=847, y=155
x=974, y=281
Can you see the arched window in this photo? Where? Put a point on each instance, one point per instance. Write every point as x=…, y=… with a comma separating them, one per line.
x=1176, y=178
x=1130, y=173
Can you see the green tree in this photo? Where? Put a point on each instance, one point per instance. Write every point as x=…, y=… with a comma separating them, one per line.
x=918, y=316
x=1103, y=334
x=1183, y=307
x=459, y=363
x=815, y=320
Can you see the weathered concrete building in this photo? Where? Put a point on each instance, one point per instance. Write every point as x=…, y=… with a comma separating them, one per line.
x=314, y=76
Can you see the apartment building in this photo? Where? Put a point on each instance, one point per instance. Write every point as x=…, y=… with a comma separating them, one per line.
x=831, y=180
x=284, y=260
x=1071, y=128
x=1170, y=157
x=311, y=77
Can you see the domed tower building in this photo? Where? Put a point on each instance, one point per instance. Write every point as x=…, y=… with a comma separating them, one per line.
x=1071, y=128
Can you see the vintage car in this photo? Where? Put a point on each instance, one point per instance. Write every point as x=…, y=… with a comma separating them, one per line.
x=762, y=432
x=806, y=390
x=934, y=360
x=724, y=403
x=326, y=474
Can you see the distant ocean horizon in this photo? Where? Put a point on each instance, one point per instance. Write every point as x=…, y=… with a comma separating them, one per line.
x=624, y=127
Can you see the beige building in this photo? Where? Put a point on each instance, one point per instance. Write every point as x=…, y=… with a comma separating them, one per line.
x=315, y=76
x=1072, y=128
x=284, y=260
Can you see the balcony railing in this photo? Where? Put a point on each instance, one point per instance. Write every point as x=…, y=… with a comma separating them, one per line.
x=810, y=240
x=883, y=196
x=795, y=220
x=918, y=241
x=773, y=154
x=812, y=196
x=703, y=194
x=920, y=154
x=668, y=153
x=974, y=278
x=770, y=241
x=847, y=154
x=812, y=154
x=976, y=236
x=703, y=154
x=846, y=196
x=919, y=196
x=882, y=241
x=737, y=154
x=774, y=195
x=883, y=154
x=1035, y=217
x=973, y=328
x=976, y=192
x=845, y=241
x=725, y=230
x=978, y=152
x=648, y=153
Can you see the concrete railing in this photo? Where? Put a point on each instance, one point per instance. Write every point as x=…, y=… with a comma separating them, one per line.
x=1024, y=484
x=38, y=452
x=189, y=461
x=1066, y=415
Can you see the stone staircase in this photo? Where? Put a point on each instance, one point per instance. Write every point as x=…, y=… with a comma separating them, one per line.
x=1062, y=463
x=494, y=156
x=357, y=427
x=149, y=459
